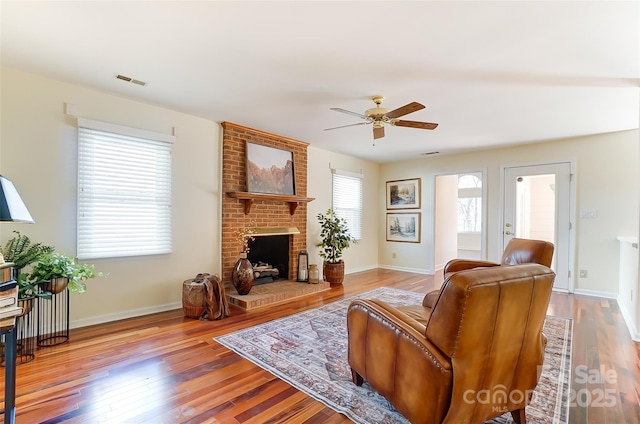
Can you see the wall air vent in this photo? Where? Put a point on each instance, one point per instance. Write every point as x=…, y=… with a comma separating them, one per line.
x=131, y=80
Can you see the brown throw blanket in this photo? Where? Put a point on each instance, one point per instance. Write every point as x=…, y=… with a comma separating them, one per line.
x=217, y=305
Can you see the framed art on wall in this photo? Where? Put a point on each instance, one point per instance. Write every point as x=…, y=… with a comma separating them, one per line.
x=269, y=170
x=403, y=226
x=403, y=194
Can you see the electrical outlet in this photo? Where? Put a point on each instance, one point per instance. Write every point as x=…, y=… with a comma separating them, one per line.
x=584, y=273
x=393, y=255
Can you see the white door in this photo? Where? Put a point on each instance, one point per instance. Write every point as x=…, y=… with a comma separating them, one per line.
x=537, y=205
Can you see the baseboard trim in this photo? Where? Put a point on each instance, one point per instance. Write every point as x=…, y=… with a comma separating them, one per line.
x=101, y=319
x=364, y=268
x=596, y=293
x=415, y=270
x=631, y=326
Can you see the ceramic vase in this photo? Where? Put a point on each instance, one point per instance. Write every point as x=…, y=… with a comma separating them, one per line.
x=242, y=275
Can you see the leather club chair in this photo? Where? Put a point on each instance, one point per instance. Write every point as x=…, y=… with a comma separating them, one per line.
x=478, y=356
x=518, y=251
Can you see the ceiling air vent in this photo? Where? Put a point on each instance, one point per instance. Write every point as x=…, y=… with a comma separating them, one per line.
x=131, y=80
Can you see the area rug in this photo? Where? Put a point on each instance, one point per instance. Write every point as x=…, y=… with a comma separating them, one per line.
x=309, y=351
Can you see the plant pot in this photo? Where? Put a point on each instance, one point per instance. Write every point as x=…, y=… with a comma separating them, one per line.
x=55, y=285
x=242, y=276
x=26, y=304
x=333, y=272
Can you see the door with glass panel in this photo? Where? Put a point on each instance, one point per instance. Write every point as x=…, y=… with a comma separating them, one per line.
x=537, y=204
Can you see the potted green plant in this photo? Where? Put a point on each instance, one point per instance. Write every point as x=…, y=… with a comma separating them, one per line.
x=335, y=237
x=22, y=252
x=56, y=272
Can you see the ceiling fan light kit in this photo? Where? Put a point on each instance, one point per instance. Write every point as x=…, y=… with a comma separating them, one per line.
x=378, y=116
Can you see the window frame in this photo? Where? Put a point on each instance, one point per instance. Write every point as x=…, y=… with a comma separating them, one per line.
x=114, y=185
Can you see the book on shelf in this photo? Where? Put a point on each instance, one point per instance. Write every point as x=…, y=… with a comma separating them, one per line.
x=8, y=301
x=10, y=311
x=8, y=287
x=6, y=271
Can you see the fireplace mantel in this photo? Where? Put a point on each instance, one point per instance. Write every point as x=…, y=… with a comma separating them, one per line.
x=250, y=197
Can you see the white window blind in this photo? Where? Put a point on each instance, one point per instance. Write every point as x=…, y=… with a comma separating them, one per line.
x=124, y=191
x=347, y=200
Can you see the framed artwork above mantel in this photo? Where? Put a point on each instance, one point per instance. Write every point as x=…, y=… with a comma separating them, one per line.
x=269, y=170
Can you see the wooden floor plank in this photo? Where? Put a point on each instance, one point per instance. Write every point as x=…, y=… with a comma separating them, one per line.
x=166, y=368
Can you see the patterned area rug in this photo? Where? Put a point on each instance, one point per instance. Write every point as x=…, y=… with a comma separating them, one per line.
x=309, y=351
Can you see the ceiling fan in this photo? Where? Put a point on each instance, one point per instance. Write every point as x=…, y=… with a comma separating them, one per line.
x=378, y=116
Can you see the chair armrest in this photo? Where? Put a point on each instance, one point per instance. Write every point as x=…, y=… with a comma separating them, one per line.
x=430, y=298
x=455, y=265
x=399, y=323
x=389, y=350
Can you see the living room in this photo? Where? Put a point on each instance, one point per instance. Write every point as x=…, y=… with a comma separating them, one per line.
x=38, y=153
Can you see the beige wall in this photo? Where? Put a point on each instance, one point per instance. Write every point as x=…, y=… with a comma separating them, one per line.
x=446, y=217
x=364, y=254
x=39, y=155
x=606, y=180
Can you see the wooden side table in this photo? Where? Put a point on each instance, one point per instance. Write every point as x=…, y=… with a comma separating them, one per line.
x=8, y=330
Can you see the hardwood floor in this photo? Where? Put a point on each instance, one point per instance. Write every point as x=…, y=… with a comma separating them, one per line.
x=165, y=368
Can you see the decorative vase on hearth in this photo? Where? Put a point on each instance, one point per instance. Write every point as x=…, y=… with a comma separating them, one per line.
x=242, y=275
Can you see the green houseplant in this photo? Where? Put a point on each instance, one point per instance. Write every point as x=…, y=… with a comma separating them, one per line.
x=22, y=252
x=335, y=237
x=54, y=266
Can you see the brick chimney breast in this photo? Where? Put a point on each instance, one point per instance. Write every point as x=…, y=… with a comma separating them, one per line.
x=263, y=213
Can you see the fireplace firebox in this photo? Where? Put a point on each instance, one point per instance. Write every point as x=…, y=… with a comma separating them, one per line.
x=267, y=253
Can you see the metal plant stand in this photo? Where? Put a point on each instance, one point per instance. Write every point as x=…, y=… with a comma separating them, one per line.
x=53, y=319
x=26, y=334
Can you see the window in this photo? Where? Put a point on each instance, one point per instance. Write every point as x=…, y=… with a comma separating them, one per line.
x=347, y=200
x=469, y=204
x=124, y=191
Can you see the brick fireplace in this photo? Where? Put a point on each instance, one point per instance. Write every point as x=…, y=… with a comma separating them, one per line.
x=263, y=212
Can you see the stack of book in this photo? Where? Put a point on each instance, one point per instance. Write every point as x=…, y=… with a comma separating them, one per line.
x=8, y=293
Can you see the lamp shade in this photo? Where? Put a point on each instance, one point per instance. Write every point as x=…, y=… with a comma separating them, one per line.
x=12, y=207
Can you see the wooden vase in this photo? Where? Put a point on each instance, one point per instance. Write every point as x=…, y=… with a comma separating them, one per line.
x=193, y=299
x=242, y=276
x=333, y=272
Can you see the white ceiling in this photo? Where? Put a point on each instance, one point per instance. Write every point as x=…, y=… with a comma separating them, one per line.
x=490, y=73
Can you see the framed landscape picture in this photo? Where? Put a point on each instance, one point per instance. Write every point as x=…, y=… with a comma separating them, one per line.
x=403, y=194
x=269, y=170
x=403, y=226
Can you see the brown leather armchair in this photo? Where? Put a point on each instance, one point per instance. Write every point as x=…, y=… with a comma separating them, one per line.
x=518, y=251
x=478, y=355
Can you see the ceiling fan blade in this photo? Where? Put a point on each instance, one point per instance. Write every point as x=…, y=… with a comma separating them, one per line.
x=378, y=132
x=344, y=126
x=416, y=124
x=404, y=110
x=359, y=115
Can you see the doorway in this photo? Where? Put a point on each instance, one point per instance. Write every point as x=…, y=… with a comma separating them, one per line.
x=459, y=217
x=537, y=203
